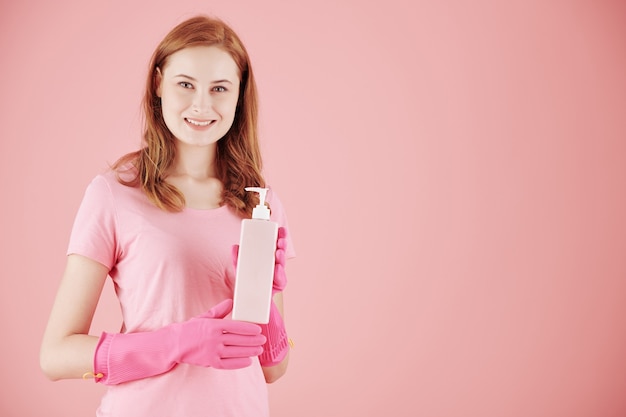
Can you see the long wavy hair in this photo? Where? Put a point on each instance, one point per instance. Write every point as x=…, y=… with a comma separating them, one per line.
x=238, y=158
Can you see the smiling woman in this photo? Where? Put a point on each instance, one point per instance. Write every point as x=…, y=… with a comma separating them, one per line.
x=162, y=224
x=199, y=73
x=199, y=89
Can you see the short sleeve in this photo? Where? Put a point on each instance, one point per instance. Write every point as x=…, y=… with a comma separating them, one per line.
x=94, y=231
x=278, y=215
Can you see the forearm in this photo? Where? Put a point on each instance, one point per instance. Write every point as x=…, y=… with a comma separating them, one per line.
x=67, y=349
x=68, y=358
x=274, y=373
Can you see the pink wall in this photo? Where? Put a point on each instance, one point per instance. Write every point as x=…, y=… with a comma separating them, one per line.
x=454, y=171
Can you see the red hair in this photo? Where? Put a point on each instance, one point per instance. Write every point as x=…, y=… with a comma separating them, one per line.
x=238, y=160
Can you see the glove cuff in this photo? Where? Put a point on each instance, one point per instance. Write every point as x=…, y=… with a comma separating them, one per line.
x=277, y=345
x=101, y=358
x=121, y=357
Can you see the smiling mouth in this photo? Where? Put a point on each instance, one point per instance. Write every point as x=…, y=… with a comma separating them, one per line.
x=198, y=122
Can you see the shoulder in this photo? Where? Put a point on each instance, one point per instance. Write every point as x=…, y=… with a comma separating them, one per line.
x=271, y=195
x=100, y=184
x=278, y=214
x=277, y=210
x=110, y=185
x=276, y=206
x=123, y=176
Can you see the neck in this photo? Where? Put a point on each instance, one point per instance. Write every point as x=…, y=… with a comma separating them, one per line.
x=197, y=162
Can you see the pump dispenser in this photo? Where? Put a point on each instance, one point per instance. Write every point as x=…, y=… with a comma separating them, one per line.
x=255, y=264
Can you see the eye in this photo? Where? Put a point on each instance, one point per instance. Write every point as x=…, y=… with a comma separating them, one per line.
x=185, y=84
x=219, y=89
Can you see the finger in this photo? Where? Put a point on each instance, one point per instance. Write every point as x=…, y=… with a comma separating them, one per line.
x=235, y=255
x=281, y=240
x=238, y=340
x=234, y=363
x=231, y=352
x=242, y=328
x=220, y=310
x=280, y=278
x=280, y=257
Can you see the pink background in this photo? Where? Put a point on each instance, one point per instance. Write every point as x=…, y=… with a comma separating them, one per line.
x=454, y=173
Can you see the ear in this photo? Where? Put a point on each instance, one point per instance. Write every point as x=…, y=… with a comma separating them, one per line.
x=158, y=77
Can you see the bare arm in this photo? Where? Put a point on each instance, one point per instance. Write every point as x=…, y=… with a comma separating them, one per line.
x=273, y=373
x=67, y=350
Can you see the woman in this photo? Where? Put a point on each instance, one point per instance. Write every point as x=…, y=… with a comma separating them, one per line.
x=163, y=224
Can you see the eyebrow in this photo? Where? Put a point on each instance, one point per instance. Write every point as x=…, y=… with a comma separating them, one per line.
x=213, y=82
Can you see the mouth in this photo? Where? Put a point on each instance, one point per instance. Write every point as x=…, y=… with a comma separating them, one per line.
x=198, y=123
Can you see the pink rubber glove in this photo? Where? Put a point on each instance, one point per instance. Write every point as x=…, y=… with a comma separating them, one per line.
x=277, y=345
x=280, y=277
x=207, y=340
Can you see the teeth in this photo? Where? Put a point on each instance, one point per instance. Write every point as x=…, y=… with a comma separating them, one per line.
x=196, y=123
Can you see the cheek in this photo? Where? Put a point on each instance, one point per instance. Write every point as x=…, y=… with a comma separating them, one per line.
x=228, y=108
x=168, y=110
x=171, y=110
x=172, y=100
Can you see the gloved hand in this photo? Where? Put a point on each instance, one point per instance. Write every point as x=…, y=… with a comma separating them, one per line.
x=277, y=345
x=207, y=340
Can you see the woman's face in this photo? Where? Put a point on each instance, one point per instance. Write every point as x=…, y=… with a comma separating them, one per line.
x=199, y=88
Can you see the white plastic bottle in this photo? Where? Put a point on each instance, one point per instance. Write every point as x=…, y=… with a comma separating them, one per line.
x=255, y=264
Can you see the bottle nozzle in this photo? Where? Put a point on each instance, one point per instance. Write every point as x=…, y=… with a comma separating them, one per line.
x=260, y=211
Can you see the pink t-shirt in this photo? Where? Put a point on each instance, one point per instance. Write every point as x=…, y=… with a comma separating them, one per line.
x=168, y=267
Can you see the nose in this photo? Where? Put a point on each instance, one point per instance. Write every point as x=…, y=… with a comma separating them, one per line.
x=201, y=102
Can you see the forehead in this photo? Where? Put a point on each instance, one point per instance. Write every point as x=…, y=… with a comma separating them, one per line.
x=202, y=61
